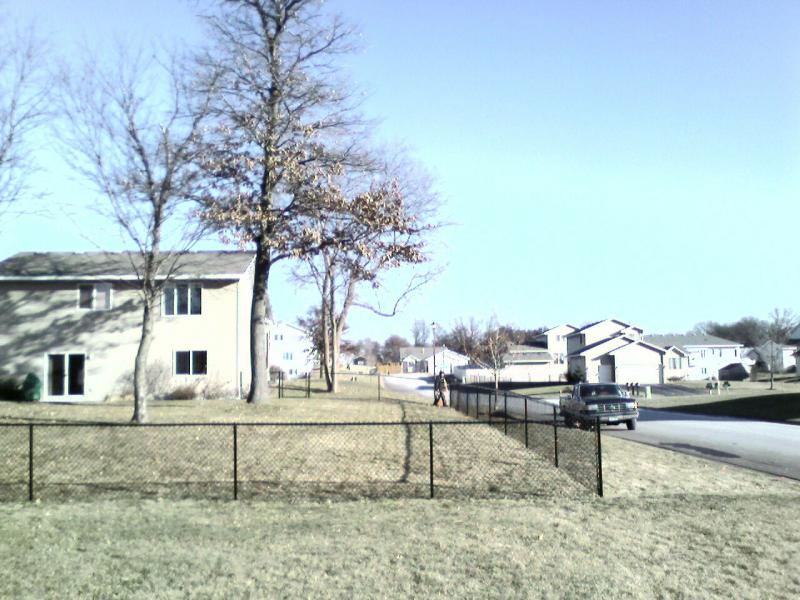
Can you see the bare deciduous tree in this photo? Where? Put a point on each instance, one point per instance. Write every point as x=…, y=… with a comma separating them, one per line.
x=23, y=107
x=283, y=114
x=494, y=345
x=779, y=326
x=130, y=130
x=420, y=332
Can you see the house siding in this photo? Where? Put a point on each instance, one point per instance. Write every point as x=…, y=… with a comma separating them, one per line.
x=41, y=318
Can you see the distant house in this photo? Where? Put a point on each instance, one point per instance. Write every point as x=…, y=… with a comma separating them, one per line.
x=794, y=339
x=706, y=354
x=427, y=359
x=290, y=349
x=620, y=359
x=592, y=333
x=531, y=363
x=554, y=340
x=769, y=355
x=74, y=320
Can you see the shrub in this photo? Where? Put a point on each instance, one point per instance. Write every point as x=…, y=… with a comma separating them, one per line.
x=10, y=388
x=576, y=374
x=675, y=379
x=214, y=389
x=182, y=392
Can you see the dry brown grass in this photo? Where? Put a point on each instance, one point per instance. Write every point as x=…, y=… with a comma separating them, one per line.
x=670, y=526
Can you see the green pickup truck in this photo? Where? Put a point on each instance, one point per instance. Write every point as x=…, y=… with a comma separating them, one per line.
x=605, y=401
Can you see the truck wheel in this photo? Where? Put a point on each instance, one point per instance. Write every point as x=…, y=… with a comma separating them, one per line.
x=631, y=423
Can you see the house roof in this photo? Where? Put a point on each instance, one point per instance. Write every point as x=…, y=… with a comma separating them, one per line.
x=526, y=354
x=677, y=349
x=619, y=338
x=769, y=350
x=558, y=327
x=600, y=343
x=590, y=325
x=424, y=352
x=277, y=325
x=794, y=336
x=50, y=266
x=652, y=347
x=688, y=339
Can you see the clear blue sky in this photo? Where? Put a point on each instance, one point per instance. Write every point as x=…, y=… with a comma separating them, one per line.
x=629, y=159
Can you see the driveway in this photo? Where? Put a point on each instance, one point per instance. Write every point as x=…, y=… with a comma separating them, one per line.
x=769, y=447
x=410, y=383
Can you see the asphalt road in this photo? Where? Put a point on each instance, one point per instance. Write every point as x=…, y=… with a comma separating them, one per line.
x=769, y=447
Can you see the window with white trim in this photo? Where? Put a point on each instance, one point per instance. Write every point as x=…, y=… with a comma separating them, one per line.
x=191, y=362
x=94, y=296
x=183, y=299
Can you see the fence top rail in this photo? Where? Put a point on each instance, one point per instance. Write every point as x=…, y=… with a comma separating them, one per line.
x=88, y=424
x=486, y=390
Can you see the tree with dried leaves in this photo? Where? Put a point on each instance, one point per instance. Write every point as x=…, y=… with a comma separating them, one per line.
x=23, y=108
x=283, y=117
x=130, y=131
x=376, y=231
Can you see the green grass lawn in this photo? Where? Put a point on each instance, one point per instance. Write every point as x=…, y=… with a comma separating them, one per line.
x=766, y=406
x=669, y=526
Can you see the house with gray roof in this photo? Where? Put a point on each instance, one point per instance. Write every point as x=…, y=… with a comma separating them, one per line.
x=430, y=359
x=706, y=354
x=614, y=351
x=74, y=320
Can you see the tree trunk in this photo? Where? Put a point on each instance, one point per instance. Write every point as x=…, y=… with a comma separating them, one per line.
x=326, y=349
x=260, y=310
x=140, y=365
x=334, y=358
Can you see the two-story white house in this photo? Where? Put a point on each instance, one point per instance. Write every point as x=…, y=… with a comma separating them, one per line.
x=74, y=320
x=291, y=350
x=554, y=340
x=706, y=354
x=614, y=351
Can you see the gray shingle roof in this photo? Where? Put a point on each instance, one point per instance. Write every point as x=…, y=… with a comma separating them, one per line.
x=424, y=352
x=688, y=339
x=31, y=266
x=526, y=354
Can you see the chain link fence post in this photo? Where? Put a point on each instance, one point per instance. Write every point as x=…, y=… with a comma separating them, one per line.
x=430, y=452
x=526, y=422
x=235, y=461
x=599, y=460
x=555, y=439
x=30, y=462
x=505, y=413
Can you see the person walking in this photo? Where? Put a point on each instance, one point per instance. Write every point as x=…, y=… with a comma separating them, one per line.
x=439, y=390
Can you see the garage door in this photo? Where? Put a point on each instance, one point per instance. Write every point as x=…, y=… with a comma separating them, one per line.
x=639, y=373
x=606, y=374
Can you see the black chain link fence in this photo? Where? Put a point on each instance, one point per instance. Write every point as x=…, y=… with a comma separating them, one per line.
x=535, y=424
x=415, y=459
